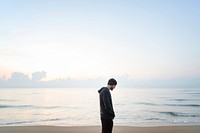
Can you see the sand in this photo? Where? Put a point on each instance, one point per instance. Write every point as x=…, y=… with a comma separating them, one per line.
x=97, y=129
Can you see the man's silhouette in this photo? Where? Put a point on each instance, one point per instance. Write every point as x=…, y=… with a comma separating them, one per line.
x=106, y=106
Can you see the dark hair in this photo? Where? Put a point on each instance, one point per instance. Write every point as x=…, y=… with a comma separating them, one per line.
x=112, y=81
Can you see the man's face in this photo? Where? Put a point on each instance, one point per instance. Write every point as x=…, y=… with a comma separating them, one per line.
x=112, y=87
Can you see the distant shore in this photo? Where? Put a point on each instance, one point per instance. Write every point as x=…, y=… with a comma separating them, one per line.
x=97, y=129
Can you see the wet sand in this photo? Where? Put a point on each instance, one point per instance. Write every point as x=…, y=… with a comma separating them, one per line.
x=97, y=129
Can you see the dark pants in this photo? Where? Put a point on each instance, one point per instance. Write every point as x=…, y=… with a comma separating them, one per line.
x=107, y=125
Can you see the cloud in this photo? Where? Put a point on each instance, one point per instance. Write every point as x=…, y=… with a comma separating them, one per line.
x=37, y=76
x=19, y=77
x=21, y=80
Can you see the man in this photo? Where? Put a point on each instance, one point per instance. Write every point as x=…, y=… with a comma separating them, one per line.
x=106, y=106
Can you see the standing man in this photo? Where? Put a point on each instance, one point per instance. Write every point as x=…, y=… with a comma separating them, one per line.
x=106, y=106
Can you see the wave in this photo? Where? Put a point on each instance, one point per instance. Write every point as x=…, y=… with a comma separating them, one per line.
x=154, y=119
x=187, y=105
x=8, y=100
x=53, y=119
x=154, y=104
x=178, y=114
x=28, y=106
x=25, y=122
x=16, y=122
x=194, y=93
x=12, y=106
x=146, y=103
x=180, y=99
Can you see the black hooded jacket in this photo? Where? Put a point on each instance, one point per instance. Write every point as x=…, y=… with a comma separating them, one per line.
x=106, y=107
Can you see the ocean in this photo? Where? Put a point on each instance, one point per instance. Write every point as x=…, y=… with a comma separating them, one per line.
x=80, y=106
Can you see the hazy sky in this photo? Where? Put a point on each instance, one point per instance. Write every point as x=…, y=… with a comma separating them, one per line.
x=81, y=39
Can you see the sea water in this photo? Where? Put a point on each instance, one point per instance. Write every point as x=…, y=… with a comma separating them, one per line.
x=80, y=106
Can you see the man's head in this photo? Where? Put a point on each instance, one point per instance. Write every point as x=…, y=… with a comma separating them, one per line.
x=112, y=83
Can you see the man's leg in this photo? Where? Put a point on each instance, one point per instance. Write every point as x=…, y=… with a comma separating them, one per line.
x=107, y=125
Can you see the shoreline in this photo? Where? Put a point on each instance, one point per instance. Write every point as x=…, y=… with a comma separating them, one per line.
x=97, y=129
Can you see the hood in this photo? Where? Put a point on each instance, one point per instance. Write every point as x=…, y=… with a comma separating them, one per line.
x=101, y=89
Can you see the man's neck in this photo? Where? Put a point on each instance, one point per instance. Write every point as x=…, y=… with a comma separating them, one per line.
x=108, y=87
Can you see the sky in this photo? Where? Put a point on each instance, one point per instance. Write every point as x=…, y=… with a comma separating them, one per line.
x=87, y=39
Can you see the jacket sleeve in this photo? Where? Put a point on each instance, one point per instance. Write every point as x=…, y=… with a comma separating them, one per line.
x=107, y=103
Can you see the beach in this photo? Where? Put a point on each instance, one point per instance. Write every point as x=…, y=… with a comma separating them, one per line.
x=97, y=129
